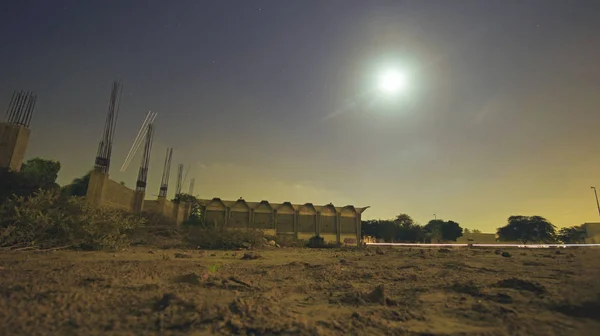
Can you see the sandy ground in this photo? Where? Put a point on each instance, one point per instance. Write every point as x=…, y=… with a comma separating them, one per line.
x=301, y=292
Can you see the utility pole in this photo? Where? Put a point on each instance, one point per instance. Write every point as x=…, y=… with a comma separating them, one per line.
x=597, y=204
x=434, y=216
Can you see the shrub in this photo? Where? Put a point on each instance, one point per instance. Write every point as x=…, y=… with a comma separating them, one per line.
x=49, y=219
x=158, y=230
x=316, y=242
x=319, y=242
x=210, y=238
x=286, y=240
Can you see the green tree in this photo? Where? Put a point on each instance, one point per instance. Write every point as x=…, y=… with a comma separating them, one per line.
x=380, y=229
x=43, y=172
x=527, y=229
x=79, y=185
x=35, y=174
x=476, y=231
x=572, y=235
x=195, y=218
x=439, y=230
x=407, y=230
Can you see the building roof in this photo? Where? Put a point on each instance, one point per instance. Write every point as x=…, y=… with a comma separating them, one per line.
x=254, y=205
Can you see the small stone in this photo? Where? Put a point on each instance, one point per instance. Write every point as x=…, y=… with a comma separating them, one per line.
x=379, y=251
x=506, y=254
x=152, y=252
x=182, y=255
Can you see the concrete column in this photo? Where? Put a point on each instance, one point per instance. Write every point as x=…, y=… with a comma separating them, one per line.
x=138, y=201
x=227, y=214
x=13, y=144
x=251, y=218
x=318, y=223
x=95, y=190
x=160, y=205
x=296, y=213
x=358, y=229
x=338, y=228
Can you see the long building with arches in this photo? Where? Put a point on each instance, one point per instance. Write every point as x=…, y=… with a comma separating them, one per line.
x=334, y=224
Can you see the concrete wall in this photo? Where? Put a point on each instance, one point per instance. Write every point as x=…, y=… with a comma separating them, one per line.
x=102, y=191
x=302, y=221
x=117, y=195
x=13, y=144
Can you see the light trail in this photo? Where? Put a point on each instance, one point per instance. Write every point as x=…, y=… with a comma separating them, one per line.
x=138, y=139
x=485, y=245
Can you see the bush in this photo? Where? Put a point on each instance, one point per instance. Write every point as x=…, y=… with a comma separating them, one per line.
x=158, y=230
x=210, y=238
x=48, y=219
x=316, y=242
x=287, y=240
x=319, y=242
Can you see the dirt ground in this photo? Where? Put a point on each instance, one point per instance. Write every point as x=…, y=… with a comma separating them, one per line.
x=393, y=291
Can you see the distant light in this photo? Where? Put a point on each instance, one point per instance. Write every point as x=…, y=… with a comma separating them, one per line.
x=392, y=81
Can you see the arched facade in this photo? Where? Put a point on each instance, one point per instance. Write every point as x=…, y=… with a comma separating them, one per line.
x=304, y=220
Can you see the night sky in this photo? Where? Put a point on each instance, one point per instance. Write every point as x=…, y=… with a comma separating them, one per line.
x=278, y=100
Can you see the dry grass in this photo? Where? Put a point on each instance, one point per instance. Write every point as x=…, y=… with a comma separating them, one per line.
x=300, y=292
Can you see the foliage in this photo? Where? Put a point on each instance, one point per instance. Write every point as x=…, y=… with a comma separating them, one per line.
x=476, y=231
x=195, y=218
x=443, y=230
x=44, y=172
x=79, y=186
x=573, y=235
x=286, y=240
x=49, y=219
x=403, y=228
x=158, y=230
x=527, y=229
x=407, y=230
x=35, y=174
x=316, y=242
x=380, y=229
x=319, y=242
x=209, y=238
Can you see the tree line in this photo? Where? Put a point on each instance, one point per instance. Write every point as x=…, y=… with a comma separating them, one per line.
x=524, y=229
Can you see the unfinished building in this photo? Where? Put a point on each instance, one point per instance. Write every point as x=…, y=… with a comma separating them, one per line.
x=102, y=191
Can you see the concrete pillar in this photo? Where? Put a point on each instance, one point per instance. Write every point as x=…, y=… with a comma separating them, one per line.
x=251, y=218
x=13, y=144
x=296, y=214
x=318, y=223
x=138, y=201
x=95, y=190
x=338, y=228
x=160, y=205
x=358, y=229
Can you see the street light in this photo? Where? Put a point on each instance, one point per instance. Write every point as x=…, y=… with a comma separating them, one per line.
x=597, y=204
